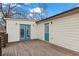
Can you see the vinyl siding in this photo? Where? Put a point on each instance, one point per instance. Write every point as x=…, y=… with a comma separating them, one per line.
x=66, y=32
x=63, y=31
x=13, y=29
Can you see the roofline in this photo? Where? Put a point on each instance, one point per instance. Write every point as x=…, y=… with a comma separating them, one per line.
x=18, y=19
x=58, y=14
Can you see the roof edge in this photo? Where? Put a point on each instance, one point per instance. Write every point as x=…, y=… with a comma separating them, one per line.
x=72, y=9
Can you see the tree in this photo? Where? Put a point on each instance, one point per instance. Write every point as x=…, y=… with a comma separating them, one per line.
x=8, y=10
x=38, y=13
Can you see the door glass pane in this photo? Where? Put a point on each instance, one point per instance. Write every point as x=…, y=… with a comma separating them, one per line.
x=28, y=31
x=22, y=31
x=47, y=28
x=46, y=32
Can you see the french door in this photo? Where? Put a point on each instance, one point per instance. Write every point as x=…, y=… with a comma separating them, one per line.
x=25, y=32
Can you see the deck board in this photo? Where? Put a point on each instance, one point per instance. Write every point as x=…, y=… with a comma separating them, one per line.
x=34, y=48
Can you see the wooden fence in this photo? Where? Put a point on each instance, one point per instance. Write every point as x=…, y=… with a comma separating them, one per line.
x=3, y=40
x=0, y=47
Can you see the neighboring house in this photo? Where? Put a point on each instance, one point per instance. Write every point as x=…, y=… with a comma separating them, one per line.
x=2, y=28
x=61, y=29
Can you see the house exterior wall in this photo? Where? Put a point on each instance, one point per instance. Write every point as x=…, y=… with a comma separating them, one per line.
x=41, y=30
x=63, y=31
x=13, y=29
x=66, y=32
x=2, y=28
x=1, y=15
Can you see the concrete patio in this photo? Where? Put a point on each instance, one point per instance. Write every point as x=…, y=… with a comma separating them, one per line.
x=35, y=48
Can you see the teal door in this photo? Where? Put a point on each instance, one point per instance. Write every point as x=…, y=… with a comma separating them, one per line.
x=46, y=33
x=25, y=32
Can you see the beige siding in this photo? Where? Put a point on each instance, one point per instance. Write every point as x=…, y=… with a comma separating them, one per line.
x=40, y=31
x=13, y=29
x=40, y=28
x=63, y=31
x=66, y=32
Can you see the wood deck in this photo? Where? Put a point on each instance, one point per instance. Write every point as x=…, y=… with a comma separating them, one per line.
x=35, y=48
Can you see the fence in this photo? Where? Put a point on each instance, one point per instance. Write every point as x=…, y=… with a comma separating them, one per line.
x=0, y=47
x=3, y=41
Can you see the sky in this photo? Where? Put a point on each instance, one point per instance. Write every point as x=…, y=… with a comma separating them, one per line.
x=50, y=9
x=53, y=9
